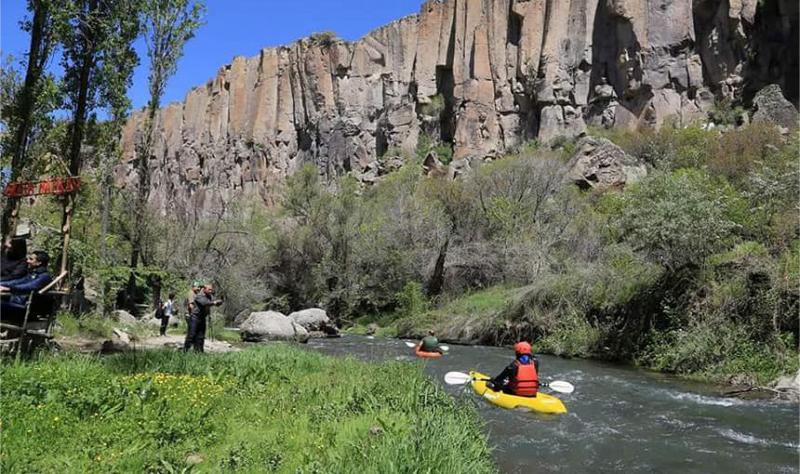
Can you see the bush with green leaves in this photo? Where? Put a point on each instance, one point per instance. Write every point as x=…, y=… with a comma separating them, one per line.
x=324, y=38
x=434, y=107
x=679, y=218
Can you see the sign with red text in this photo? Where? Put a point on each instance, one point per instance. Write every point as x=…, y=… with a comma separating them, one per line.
x=49, y=186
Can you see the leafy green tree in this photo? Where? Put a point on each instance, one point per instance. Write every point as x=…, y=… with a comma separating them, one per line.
x=98, y=63
x=30, y=102
x=167, y=25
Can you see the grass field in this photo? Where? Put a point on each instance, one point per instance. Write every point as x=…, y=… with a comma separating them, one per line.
x=269, y=409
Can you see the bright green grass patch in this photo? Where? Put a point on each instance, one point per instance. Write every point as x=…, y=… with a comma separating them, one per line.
x=269, y=409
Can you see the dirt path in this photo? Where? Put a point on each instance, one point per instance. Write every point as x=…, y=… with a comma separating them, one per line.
x=174, y=342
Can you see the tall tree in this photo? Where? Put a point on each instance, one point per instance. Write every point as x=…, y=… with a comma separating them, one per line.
x=98, y=66
x=167, y=25
x=21, y=116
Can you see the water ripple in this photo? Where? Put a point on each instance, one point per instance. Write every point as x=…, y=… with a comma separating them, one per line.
x=752, y=440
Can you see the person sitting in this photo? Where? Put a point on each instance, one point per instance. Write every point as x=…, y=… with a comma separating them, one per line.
x=13, y=264
x=13, y=305
x=521, y=377
x=429, y=343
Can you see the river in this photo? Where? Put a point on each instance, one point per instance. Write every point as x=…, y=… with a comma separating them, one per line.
x=620, y=419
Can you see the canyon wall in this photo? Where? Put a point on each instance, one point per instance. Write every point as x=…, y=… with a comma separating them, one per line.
x=480, y=75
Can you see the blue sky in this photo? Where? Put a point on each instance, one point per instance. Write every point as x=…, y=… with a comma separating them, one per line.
x=234, y=28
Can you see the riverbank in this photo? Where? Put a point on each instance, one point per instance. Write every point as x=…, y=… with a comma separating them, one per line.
x=270, y=408
x=620, y=419
x=498, y=316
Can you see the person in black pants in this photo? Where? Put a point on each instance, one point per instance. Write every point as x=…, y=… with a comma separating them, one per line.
x=196, y=335
x=166, y=313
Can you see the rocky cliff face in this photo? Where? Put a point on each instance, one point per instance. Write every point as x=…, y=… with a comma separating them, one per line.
x=481, y=75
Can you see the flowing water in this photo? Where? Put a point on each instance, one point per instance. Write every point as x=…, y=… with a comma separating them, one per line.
x=620, y=419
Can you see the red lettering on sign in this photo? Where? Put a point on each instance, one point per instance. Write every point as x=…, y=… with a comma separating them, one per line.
x=49, y=186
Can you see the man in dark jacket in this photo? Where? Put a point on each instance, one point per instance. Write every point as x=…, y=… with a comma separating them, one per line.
x=196, y=334
x=14, y=302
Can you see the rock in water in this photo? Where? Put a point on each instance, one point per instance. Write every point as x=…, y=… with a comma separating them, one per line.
x=272, y=326
x=315, y=321
x=789, y=385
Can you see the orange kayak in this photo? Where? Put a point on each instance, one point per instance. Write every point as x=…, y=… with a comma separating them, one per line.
x=430, y=355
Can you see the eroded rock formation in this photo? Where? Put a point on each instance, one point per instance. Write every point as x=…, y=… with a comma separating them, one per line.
x=481, y=75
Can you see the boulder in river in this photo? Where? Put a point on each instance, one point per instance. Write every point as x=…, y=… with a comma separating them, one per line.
x=315, y=321
x=272, y=326
x=789, y=386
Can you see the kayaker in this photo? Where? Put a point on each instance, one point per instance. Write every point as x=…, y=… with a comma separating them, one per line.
x=429, y=343
x=521, y=377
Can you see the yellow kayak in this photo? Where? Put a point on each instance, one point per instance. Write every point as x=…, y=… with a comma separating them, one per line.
x=541, y=403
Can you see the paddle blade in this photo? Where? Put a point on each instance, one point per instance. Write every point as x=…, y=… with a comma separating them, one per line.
x=444, y=348
x=410, y=344
x=457, y=378
x=561, y=386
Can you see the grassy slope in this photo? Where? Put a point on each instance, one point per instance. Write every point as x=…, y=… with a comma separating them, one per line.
x=465, y=318
x=271, y=409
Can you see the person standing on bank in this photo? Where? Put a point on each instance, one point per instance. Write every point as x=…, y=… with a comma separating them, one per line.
x=190, y=298
x=196, y=335
x=166, y=313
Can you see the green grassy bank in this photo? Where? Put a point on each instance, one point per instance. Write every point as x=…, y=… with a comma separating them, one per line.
x=719, y=352
x=270, y=409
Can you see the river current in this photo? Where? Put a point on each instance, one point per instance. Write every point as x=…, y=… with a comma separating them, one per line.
x=619, y=419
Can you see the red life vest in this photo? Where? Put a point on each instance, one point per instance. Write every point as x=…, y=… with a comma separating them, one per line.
x=526, y=381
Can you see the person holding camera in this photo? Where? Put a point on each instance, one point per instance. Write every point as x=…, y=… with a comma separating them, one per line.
x=196, y=335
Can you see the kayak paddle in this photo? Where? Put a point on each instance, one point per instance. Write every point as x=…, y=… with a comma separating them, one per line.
x=411, y=344
x=460, y=378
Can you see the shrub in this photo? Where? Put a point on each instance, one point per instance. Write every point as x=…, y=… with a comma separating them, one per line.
x=679, y=218
x=739, y=152
x=719, y=349
x=324, y=38
x=572, y=336
x=411, y=301
x=725, y=113
x=434, y=107
x=622, y=276
x=426, y=144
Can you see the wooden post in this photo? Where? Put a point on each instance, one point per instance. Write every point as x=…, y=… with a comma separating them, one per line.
x=11, y=222
x=66, y=225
